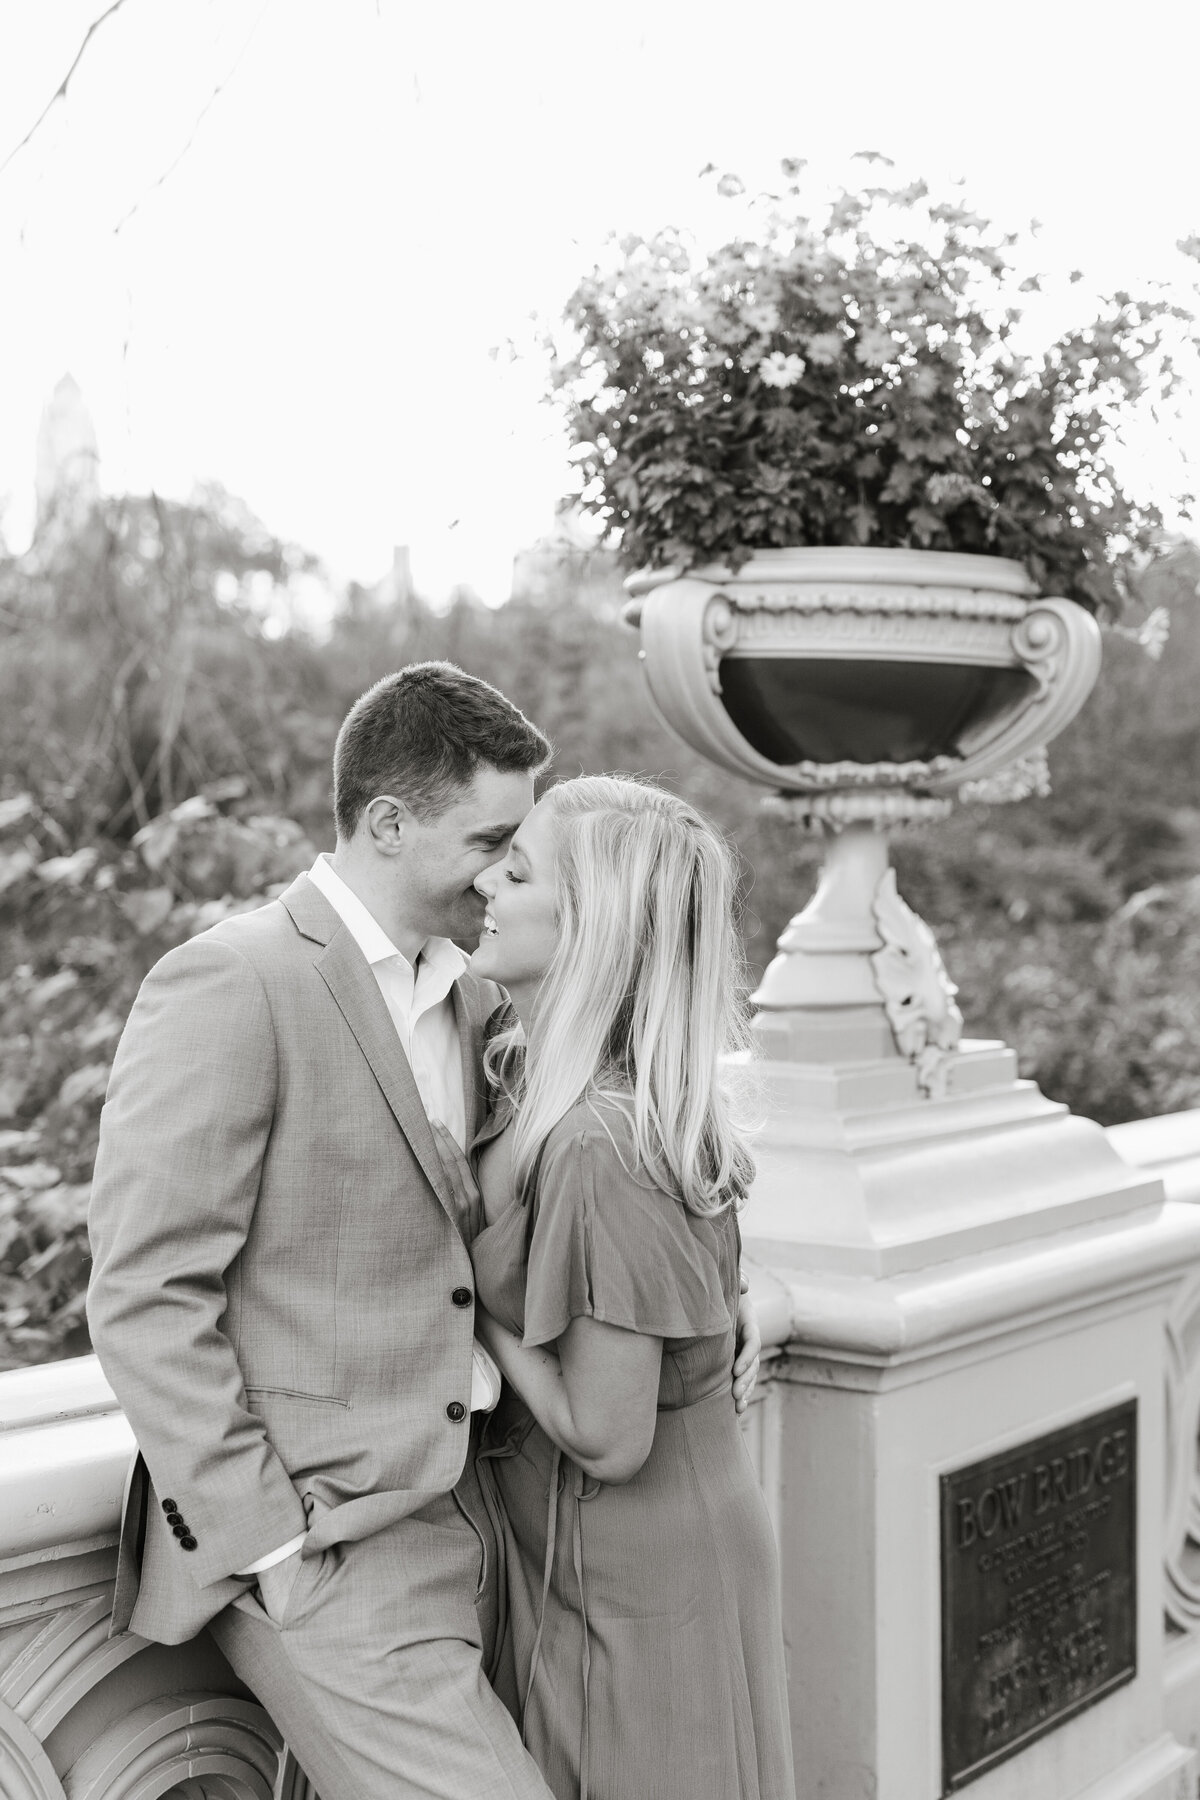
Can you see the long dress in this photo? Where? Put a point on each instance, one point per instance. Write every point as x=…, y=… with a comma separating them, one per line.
x=644, y=1639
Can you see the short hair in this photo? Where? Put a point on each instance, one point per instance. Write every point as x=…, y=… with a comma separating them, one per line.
x=421, y=734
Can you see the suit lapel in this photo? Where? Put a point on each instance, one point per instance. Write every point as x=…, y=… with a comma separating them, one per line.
x=347, y=975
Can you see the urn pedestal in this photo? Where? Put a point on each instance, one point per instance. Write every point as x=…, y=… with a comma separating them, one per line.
x=974, y=1286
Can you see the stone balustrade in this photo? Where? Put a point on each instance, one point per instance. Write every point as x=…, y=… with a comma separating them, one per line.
x=87, y=1717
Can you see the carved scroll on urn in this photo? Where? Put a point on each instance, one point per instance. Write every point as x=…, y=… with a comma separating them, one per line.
x=1059, y=645
x=687, y=626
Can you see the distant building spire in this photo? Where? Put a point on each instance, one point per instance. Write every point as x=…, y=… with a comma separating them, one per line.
x=401, y=577
x=68, y=457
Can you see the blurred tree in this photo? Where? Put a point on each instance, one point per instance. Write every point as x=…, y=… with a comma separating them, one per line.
x=165, y=737
x=138, y=661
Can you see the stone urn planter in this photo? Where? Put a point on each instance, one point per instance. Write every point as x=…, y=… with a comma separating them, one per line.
x=833, y=673
x=863, y=688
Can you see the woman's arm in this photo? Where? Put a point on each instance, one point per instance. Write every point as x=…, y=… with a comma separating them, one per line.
x=597, y=1398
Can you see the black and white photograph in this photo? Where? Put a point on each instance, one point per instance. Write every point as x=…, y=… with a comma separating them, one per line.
x=599, y=901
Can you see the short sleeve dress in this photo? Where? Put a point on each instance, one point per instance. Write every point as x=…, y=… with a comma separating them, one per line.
x=644, y=1637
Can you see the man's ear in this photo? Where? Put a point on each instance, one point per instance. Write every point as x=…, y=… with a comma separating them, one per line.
x=387, y=823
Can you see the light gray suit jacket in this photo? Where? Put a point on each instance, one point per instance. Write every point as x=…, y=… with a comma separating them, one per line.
x=276, y=1258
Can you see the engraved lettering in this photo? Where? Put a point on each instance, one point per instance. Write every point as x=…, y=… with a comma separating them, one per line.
x=1084, y=1469
x=988, y=1512
x=1012, y=1498
x=1039, y=1587
x=1059, y=1470
x=966, y=1523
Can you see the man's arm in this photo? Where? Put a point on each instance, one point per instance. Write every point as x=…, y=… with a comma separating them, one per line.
x=182, y=1138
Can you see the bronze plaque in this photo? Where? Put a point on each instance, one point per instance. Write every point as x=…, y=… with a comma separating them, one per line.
x=1039, y=1592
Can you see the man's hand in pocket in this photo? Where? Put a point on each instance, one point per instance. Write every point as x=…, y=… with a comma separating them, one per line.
x=276, y=1583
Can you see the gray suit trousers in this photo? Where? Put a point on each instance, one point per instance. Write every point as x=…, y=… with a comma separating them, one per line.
x=375, y=1675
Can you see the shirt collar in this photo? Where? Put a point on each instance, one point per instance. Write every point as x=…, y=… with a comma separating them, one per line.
x=439, y=955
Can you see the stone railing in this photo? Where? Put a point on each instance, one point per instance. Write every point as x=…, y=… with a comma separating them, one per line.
x=84, y=1716
x=87, y=1717
x=1170, y=1148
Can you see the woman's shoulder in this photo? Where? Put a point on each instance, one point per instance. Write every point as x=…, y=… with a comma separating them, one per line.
x=610, y=1241
x=597, y=1140
x=598, y=1133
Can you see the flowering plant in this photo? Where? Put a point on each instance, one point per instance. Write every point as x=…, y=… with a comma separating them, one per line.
x=854, y=380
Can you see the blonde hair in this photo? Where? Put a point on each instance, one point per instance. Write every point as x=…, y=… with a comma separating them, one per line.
x=642, y=994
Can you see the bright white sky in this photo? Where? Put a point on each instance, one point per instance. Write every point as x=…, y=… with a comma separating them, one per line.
x=384, y=190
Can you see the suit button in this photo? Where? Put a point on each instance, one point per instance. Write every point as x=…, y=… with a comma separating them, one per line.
x=174, y=1518
x=170, y=1506
x=180, y=1531
x=187, y=1543
x=456, y=1411
x=462, y=1296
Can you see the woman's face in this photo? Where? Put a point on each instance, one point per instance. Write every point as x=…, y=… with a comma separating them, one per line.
x=520, y=929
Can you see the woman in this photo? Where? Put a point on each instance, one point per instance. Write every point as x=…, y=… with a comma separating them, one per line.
x=644, y=1640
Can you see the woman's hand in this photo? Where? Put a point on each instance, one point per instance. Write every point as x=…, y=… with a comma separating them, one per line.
x=462, y=1181
x=749, y=1349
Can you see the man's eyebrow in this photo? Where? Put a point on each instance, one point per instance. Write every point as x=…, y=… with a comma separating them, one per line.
x=504, y=829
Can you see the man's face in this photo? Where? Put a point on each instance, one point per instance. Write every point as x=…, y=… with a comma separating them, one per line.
x=444, y=855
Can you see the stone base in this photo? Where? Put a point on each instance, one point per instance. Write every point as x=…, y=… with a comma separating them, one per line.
x=962, y=1278
x=859, y=1172
x=889, y=1384
x=1183, y=1690
x=1164, y=1770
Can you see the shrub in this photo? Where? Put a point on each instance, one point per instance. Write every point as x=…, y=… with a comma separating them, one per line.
x=851, y=379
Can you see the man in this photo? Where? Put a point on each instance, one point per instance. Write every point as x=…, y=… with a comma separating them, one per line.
x=282, y=1296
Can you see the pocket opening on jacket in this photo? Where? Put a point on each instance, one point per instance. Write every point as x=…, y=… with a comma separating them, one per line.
x=282, y=1393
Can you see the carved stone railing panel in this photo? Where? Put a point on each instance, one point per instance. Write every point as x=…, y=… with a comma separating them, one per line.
x=214, y=1745
x=65, y=1657
x=1183, y=1461
x=1169, y=1147
x=26, y=1772
x=116, y=1718
x=293, y=1782
x=83, y=1714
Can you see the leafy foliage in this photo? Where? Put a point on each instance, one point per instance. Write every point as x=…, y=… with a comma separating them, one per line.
x=127, y=824
x=852, y=380
x=81, y=930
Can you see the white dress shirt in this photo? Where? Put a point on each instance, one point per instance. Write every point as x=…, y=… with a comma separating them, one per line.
x=420, y=1007
x=418, y=1001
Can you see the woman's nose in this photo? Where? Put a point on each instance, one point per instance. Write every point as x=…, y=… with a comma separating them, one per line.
x=487, y=882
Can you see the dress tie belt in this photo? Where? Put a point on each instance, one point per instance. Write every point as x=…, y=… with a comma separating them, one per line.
x=571, y=1481
x=575, y=1487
